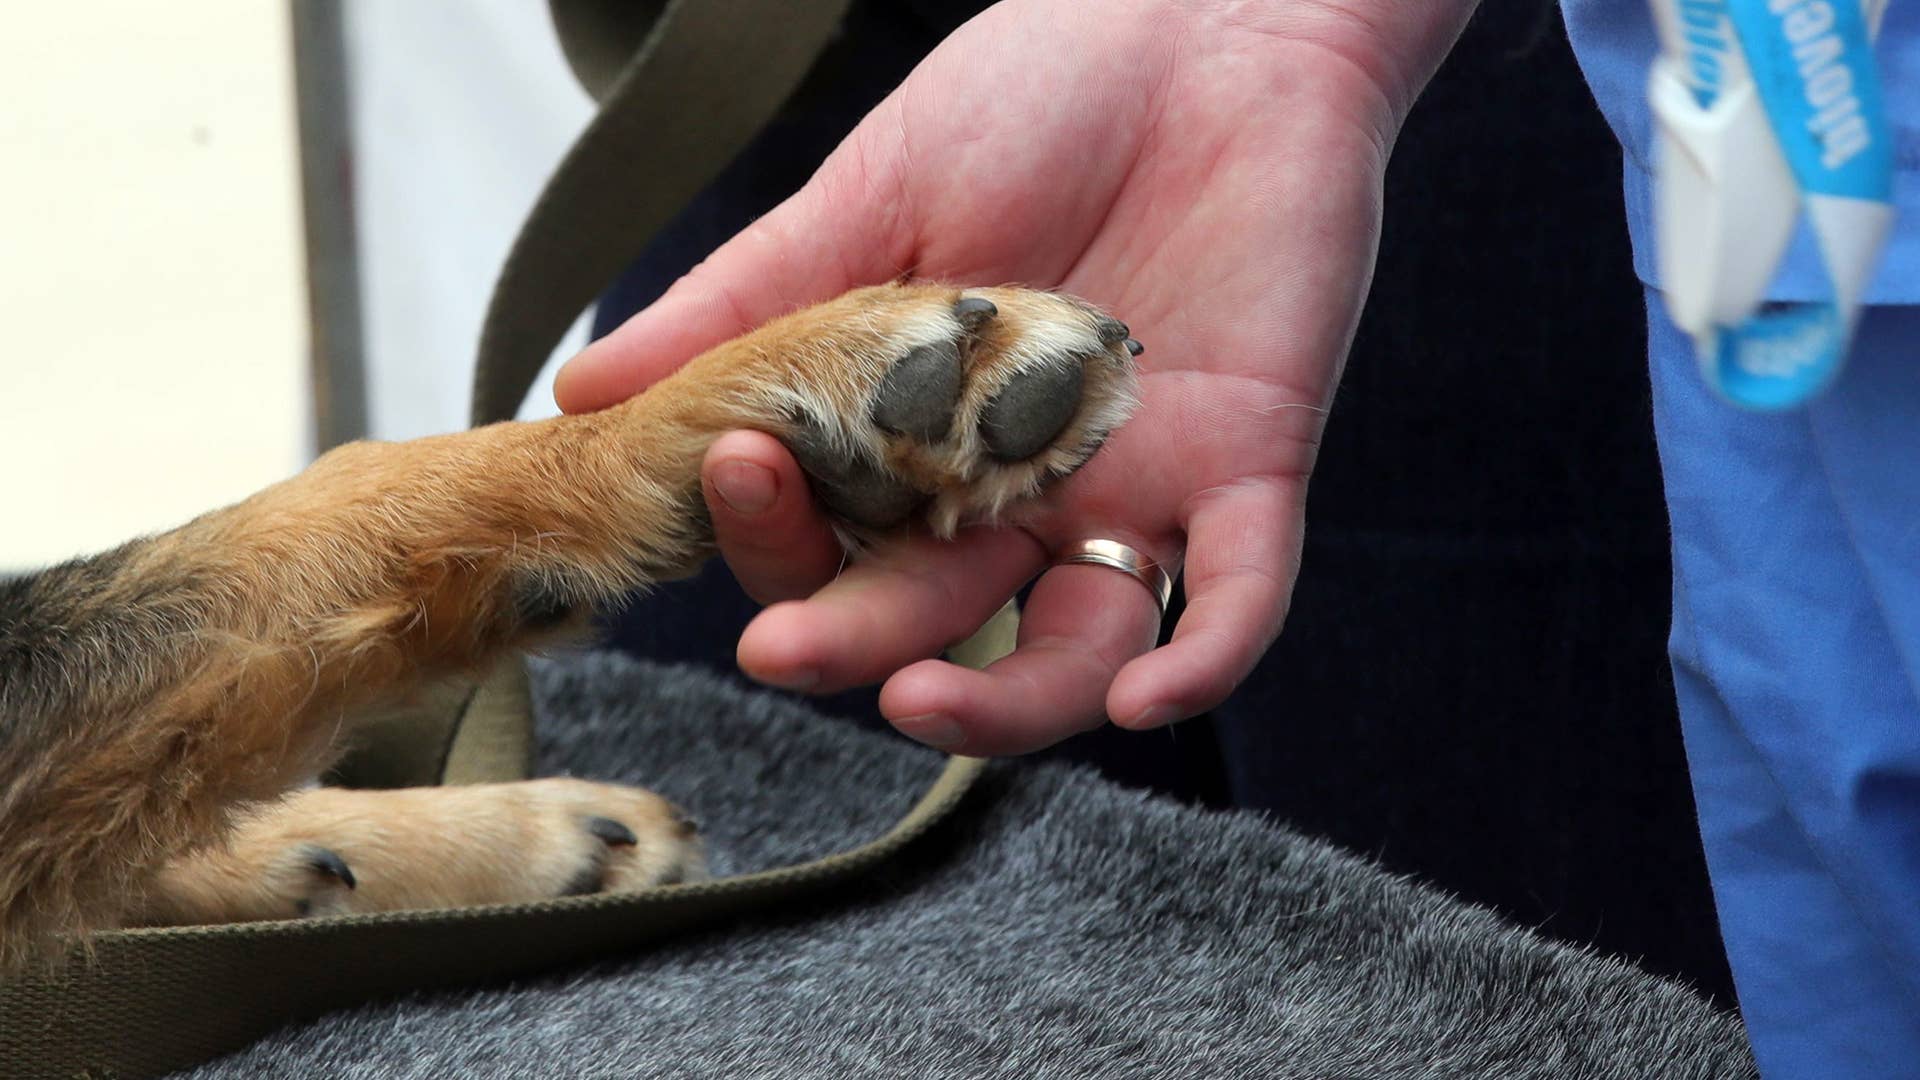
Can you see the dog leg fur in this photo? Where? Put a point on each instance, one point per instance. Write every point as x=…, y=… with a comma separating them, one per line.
x=150, y=693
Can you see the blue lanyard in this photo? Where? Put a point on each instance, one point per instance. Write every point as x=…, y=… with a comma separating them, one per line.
x=1767, y=109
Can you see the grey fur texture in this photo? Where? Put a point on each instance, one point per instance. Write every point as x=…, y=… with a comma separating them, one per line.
x=1062, y=927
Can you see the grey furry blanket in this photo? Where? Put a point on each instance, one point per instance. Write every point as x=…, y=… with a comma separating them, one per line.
x=1063, y=927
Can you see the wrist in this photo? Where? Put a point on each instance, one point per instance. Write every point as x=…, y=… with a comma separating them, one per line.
x=1395, y=45
x=1413, y=40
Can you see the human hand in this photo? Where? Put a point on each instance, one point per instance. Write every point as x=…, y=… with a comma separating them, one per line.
x=1209, y=172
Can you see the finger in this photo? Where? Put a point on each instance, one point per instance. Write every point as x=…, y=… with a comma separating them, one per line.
x=905, y=602
x=1080, y=626
x=813, y=246
x=777, y=543
x=1243, y=554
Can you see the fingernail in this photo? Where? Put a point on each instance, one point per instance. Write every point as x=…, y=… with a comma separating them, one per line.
x=935, y=729
x=1153, y=717
x=746, y=488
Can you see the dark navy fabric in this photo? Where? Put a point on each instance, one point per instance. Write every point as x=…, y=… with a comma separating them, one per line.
x=1472, y=686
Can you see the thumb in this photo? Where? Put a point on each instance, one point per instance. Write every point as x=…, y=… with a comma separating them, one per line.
x=820, y=242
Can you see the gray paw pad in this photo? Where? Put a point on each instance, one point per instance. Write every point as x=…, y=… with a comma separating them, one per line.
x=1031, y=411
x=852, y=489
x=917, y=398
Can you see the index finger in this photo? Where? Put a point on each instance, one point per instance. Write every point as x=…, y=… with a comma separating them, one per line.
x=809, y=248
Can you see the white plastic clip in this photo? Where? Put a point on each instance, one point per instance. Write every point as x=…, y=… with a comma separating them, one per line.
x=1737, y=160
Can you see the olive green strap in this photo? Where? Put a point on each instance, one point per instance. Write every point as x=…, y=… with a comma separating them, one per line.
x=683, y=86
x=695, y=82
x=458, y=731
x=152, y=1001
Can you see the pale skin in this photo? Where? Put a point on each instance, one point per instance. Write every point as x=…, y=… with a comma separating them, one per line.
x=1208, y=171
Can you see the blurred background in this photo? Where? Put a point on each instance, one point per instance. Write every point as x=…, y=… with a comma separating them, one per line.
x=182, y=327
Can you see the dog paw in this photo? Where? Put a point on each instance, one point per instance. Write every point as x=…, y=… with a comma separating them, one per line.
x=332, y=851
x=953, y=404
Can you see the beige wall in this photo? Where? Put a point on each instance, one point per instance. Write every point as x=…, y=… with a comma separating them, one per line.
x=153, y=349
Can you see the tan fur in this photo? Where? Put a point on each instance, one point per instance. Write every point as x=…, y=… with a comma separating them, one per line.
x=422, y=847
x=383, y=564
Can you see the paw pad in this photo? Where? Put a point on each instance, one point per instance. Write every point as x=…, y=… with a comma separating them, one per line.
x=1024, y=418
x=920, y=393
x=968, y=405
x=849, y=486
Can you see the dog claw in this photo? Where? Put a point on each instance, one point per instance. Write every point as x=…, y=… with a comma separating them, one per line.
x=685, y=823
x=974, y=311
x=1134, y=348
x=1113, y=331
x=327, y=862
x=611, y=832
x=852, y=488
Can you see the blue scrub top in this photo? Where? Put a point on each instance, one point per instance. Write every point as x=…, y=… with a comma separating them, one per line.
x=1796, y=636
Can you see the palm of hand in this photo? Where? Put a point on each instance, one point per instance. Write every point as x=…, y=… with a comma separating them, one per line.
x=1210, y=182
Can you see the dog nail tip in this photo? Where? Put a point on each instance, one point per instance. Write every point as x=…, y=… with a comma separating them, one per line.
x=974, y=311
x=611, y=832
x=685, y=822
x=331, y=864
x=1134, y=348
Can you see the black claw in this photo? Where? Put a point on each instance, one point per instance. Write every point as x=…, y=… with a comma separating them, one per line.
x=686, y=823
x=920, y=393
x=611, y=831
x=1134, y=348
x=327, y=862
x=974, y=311
x=1112, y=331
x=1031, y=411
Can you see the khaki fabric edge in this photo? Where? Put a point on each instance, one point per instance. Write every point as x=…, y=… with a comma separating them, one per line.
x=455, y=731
